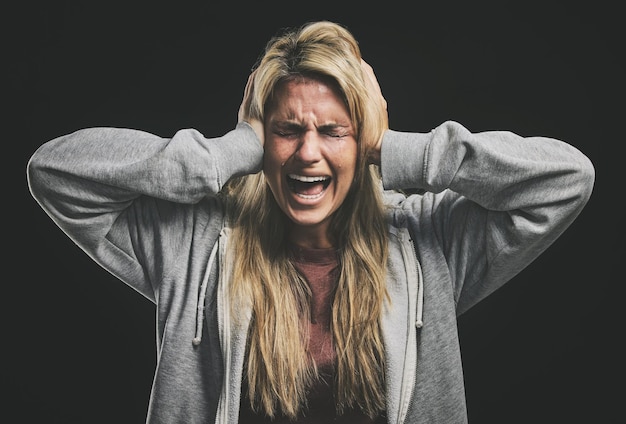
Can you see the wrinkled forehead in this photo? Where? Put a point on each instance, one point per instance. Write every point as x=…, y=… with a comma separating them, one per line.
x=282, y=85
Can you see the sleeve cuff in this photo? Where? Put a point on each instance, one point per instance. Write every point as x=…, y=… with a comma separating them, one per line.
x=402, y=159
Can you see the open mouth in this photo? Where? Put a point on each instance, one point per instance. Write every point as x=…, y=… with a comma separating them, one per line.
x=308, y=187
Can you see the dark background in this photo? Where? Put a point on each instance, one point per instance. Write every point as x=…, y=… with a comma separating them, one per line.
x=78, y=346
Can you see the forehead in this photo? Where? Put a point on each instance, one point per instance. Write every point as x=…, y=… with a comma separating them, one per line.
x=305, y=93
x=319, y=82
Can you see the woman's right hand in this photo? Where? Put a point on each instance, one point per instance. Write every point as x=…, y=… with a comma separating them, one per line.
x=244, y=115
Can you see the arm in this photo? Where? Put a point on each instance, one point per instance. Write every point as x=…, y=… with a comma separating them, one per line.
x=101, y=185
x=496, y=201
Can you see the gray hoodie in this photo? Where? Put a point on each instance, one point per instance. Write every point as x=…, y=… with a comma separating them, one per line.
x=146, y=209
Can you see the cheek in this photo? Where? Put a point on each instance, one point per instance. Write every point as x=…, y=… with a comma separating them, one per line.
x=345, y=154
x=272, y=157
x=278, y=151
x=271, y=170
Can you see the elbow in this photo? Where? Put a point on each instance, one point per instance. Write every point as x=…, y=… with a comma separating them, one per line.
x=568, y=197
x=586, y=178
x=39, y=178
x=33, y=176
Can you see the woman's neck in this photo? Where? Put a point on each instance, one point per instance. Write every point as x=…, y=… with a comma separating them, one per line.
x=311, y=237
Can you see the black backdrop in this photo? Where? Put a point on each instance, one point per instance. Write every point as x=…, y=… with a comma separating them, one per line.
x=78, y=346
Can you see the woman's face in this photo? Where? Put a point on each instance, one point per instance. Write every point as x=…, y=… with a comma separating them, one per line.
x=310, y=151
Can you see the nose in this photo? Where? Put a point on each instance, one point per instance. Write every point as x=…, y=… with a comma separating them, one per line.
x=309, y=148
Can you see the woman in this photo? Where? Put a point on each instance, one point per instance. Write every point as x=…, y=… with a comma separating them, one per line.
x=295, y=279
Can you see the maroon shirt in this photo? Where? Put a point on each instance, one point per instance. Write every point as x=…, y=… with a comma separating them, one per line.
x=320, y=267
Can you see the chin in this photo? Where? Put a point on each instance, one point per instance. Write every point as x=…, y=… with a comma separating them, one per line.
x=307, y=219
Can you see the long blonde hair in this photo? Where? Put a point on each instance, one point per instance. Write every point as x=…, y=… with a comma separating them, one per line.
x=278, y=368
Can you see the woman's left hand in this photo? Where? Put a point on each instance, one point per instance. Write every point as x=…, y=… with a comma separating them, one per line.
x=374, y=88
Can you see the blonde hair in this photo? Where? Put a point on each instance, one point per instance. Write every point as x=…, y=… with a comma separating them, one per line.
x=278, y=369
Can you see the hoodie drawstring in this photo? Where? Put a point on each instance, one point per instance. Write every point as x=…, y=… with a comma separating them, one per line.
x=419, y=319
x=200, y=307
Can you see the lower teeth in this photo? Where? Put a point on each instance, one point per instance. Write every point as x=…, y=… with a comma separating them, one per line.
x=309, y=196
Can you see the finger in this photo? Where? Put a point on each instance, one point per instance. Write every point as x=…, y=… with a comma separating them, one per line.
x=245, y=102
x=372, y=82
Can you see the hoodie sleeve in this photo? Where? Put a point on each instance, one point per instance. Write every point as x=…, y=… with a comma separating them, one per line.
x=495, y=200
x=106, y=188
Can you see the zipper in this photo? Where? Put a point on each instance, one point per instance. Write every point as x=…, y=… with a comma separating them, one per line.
x=419, y=319
x=410, y=365
x=223, y=324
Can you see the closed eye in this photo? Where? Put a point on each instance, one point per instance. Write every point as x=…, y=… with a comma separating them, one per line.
x=334, y=131
x=335, y=135
x=288, y=130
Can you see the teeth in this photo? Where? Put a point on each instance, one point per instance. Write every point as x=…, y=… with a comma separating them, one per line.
x=309, y=196
x=306, y=179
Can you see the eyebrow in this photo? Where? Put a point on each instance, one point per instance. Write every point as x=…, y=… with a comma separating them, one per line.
x=295, y=125
x=332, y=126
